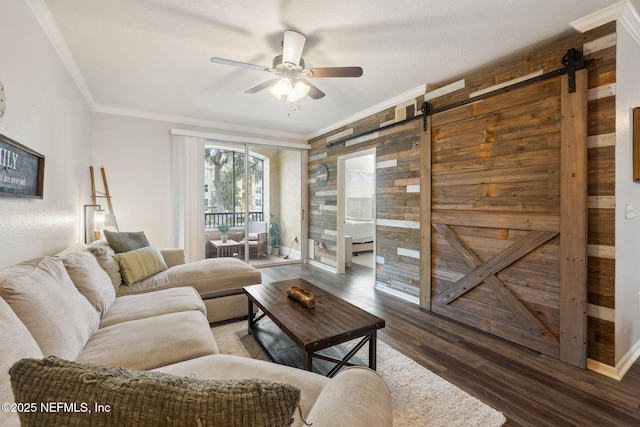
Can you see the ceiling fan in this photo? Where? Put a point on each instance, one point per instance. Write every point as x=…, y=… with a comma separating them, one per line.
x=291, y=83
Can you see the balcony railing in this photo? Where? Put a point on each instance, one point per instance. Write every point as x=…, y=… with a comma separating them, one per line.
x=232, y=219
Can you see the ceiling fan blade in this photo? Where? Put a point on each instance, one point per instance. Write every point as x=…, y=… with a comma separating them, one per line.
x=314, y=92
x=262, y=86
x=238, y=64
x=292, y=47
x=334, y=72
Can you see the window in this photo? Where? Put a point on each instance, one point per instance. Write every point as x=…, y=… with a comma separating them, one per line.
x=226, y=187
x=359, y=194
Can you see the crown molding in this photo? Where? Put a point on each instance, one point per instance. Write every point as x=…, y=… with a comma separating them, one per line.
x=624, y=12
x=276, y=136
x=391, y=102
x=243, y=139
x=51, y=29
x=630, y=22
x=598, y=18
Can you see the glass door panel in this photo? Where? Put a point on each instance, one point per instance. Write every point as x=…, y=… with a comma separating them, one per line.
x=278, y=195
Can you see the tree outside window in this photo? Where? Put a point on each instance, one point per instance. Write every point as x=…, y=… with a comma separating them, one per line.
x=225, y=182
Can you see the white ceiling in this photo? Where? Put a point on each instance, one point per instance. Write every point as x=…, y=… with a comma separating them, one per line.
x=151, y=58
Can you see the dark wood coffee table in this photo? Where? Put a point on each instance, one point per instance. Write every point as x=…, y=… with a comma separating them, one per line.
x=331, y=322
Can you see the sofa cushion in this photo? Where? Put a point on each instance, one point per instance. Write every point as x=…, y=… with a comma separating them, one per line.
x=163, y=301
x=226, y=366
x=173, y=256
x=139, y=264
x=17, y=343
x=212, y=277
x=90, y=279
x=149, y=398
x=124, y=241
x=353, y=381
x=104, y=254
x=151, y=342
x=45, y=299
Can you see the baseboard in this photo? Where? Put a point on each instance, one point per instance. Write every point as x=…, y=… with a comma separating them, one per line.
x=616, y=372
x=384, y=288
x=628, y=360
x=603, y=369
x=321, y=265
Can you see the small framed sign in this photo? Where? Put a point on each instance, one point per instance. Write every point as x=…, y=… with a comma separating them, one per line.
x=21, y=170
x=322, y=175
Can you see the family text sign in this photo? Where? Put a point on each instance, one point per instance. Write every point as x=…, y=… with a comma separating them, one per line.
x=21, y=170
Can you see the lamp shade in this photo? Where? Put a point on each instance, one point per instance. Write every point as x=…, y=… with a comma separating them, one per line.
x=98, y=220
x=300, y=90
x=94, y=222
x=281, y=89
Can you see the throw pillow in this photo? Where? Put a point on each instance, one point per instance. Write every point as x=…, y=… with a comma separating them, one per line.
x=90, y=279
x=139, y=264
x=143, y=398
x=126, y=241
x=104, y=254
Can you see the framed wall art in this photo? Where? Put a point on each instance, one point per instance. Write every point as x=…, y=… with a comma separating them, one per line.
x=21, y=170
x=636, y=144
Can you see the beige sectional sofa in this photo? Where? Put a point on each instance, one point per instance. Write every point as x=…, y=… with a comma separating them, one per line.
x=68, y=306
x=218, y=281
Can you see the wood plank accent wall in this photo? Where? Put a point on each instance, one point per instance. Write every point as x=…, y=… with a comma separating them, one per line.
x=399, y=167
x=397, y=200
x=601, y=46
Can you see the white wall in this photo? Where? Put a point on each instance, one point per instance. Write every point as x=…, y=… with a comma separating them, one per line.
x=627, y=253
x=45, y=112
x=136, y=156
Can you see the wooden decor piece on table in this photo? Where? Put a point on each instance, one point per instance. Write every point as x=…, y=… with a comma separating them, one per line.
x=305, y=298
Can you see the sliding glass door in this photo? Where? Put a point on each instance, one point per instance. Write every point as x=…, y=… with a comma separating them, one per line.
x=253, y=201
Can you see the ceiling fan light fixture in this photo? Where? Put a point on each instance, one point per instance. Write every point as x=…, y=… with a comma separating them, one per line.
x=290, y=83
x=281, y=88
x=300, y=90
x=286, y=90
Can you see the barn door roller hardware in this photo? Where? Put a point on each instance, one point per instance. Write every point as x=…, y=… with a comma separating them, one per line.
x=426, y=107
x=572, y=61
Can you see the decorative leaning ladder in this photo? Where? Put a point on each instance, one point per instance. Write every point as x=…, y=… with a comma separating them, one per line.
x=110, y=219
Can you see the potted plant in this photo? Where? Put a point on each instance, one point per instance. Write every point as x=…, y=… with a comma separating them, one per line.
x=274, y=235
x=223, y=232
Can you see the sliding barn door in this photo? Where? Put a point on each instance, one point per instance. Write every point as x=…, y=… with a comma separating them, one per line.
x=508, y=216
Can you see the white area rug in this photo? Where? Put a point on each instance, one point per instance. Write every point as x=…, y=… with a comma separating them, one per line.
x=420, y=397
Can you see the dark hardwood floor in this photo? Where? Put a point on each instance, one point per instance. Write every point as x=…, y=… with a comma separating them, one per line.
x=530, y=389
